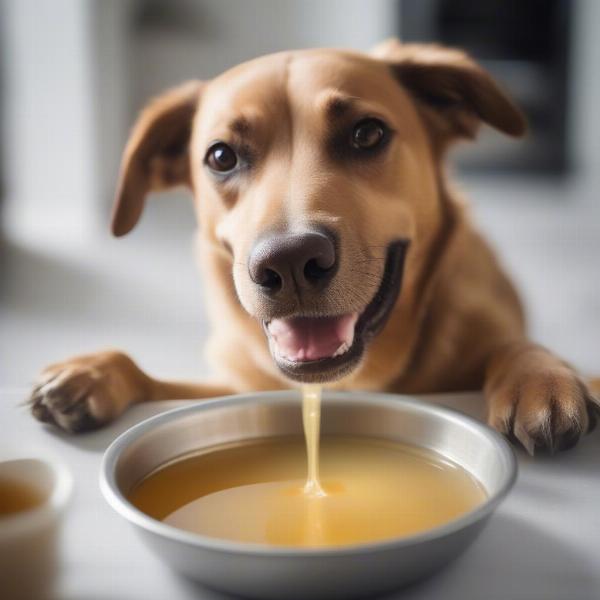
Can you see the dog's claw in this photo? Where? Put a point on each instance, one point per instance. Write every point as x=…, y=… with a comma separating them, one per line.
x=64, y=402
x=525, y=439
x=547, y=412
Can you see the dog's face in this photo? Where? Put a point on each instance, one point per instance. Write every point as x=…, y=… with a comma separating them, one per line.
x=309, y=173
x=317, y=173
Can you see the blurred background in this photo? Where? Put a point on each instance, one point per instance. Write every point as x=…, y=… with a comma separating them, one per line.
x=74, y=73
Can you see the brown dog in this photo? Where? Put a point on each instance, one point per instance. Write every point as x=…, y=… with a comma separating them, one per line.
x=333, y=247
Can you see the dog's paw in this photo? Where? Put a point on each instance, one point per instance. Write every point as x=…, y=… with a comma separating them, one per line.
x=547, y=409
x=86, y=392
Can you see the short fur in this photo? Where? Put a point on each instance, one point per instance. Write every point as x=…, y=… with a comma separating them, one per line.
x=458, y=323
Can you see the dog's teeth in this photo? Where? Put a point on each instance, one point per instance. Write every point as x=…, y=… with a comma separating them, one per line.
x=344, y=347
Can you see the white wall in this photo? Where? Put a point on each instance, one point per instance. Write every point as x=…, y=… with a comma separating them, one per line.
x=585, y=117
x=49, y=144
x=111, y=91
x=210, y=36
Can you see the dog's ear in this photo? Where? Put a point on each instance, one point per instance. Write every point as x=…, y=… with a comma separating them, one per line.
x=452, y=92
x=156, y=156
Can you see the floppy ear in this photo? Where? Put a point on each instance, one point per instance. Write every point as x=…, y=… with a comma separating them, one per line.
x=452, y=92
x=156, y=155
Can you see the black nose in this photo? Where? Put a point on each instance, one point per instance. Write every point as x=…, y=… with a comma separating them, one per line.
x=282, y=261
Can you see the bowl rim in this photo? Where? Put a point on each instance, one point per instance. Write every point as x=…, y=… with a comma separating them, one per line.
x=119, y=502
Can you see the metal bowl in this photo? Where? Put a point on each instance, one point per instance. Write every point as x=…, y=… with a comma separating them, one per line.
x=262, y=571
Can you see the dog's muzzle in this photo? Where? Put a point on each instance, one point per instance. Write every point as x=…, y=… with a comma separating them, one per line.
x=328, y=347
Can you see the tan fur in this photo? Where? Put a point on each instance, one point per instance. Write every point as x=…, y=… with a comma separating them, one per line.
x=457, y=324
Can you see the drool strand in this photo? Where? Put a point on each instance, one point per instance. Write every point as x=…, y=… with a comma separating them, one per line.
x=311, y=417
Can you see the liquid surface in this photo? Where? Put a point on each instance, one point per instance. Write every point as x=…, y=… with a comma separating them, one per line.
x=254, y=492
x=16, y=497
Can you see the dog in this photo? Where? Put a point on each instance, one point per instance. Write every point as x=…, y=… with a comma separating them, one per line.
x=333, y=246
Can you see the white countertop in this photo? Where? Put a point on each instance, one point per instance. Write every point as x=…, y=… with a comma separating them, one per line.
x=543, y=542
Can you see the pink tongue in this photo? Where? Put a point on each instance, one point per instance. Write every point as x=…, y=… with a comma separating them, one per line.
x=305, y=338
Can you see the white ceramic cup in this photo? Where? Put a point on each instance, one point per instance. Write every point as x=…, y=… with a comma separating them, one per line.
x=29, y=551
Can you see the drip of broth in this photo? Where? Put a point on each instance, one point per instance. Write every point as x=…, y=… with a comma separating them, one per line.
x=256, y=492
x=16, y=497
x=311, y=419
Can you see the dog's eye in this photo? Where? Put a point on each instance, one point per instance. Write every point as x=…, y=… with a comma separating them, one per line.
x=221, y=157
x=368, y=134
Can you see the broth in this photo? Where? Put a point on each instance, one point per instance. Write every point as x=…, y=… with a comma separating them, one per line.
x=256, y=492
x=16, y=497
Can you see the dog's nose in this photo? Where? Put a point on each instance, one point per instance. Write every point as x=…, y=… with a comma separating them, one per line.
x=282, y=261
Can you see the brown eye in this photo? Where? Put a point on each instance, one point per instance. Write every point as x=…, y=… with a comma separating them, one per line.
x=368, y=134
x=221, y=157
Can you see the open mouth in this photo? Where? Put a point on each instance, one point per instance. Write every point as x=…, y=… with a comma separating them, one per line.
x=320, y=349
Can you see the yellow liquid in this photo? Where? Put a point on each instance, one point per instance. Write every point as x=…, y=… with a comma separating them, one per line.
x=16, y=497
x=255, y=492
x=311, y=419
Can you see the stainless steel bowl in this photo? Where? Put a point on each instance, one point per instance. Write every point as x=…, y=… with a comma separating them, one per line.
x=262, y=571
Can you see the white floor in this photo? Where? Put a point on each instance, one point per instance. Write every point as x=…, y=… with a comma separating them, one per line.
x=142, y=293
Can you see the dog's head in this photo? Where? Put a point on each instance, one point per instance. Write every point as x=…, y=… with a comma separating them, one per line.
x=317, y=172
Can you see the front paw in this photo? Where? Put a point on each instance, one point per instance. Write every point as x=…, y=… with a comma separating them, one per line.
x=547, y=409
x=86, y=392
